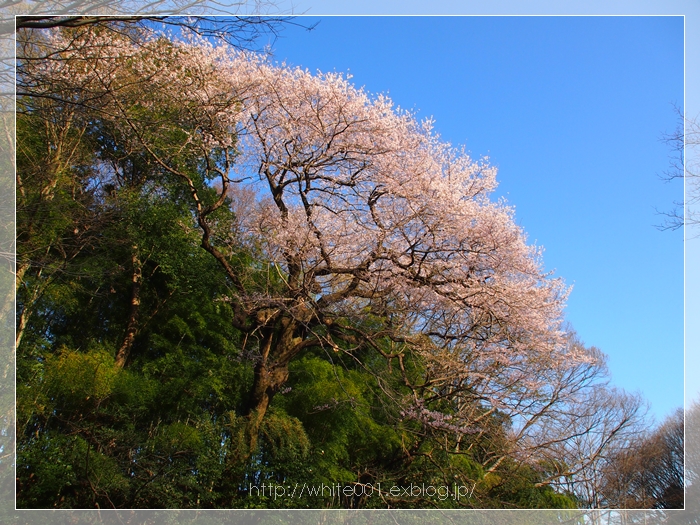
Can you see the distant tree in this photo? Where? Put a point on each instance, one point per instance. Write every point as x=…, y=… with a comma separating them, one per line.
x=649, y=473
x=691, y=513
x=588, y=422
x=685, y=165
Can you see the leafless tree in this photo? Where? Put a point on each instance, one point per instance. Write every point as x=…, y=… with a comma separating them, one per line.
x=649, y=472
x=581, y=424
x=684, y=143
x=691, y=514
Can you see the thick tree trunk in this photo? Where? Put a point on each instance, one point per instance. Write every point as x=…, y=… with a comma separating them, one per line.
x=278, y=347
x=268, y=380
x=132, y=324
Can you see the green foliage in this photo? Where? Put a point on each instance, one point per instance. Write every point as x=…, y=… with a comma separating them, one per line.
x=75, y=381
x=518, y=486
x=56, y=470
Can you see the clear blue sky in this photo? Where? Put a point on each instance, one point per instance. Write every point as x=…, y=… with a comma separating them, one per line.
x=571, y=110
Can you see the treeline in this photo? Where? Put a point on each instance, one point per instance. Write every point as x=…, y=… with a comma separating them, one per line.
x=237, y=280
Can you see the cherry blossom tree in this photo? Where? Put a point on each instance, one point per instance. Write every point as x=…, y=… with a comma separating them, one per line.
x=369, y=232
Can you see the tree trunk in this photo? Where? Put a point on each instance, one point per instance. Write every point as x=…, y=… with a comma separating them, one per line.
x=132, y=324
x=28, y=306
x=268, y=380
x=279, y=346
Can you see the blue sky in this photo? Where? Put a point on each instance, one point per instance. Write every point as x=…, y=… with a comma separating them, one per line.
x=571, y=110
